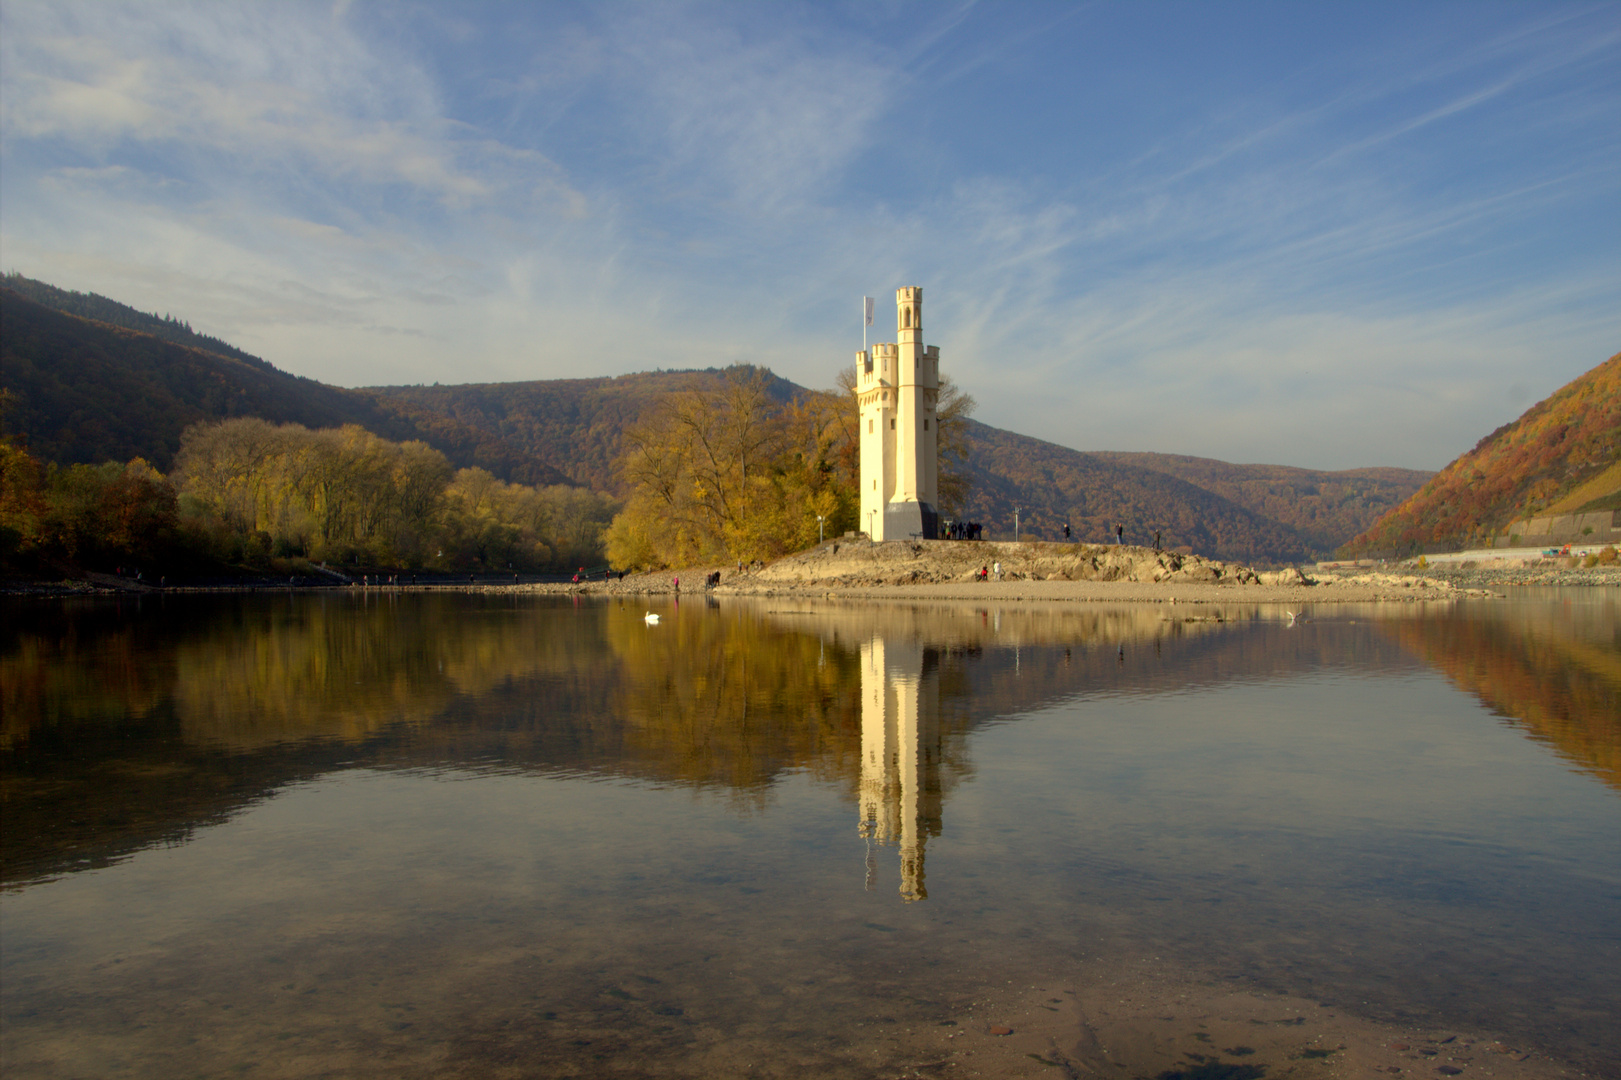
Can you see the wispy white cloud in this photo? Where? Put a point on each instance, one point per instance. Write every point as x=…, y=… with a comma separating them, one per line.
x=1267, y=277
x=760, y=120
x=268, y=87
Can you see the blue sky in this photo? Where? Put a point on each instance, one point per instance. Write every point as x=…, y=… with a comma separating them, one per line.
x=1310, y=234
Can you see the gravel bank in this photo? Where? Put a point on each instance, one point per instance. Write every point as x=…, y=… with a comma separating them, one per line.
x=1551, y=572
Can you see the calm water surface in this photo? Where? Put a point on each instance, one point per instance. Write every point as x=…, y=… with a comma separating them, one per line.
x=424, y=835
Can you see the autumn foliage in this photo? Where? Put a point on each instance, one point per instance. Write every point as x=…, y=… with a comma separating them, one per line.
x=344, y=494
x=92, y=380
x=729, y=473
x=83, y=514
x=1517, y=471
x=248, y=493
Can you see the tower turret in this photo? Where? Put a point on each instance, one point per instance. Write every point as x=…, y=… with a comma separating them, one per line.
x=911, y=509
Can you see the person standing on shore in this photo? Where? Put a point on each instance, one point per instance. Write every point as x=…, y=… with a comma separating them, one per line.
x=1119, y=533
x=1156, y=541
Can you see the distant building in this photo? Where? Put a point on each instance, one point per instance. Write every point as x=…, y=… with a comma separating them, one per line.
x=898, y=387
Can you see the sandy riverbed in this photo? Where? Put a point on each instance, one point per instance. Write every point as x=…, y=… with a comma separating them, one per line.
x=1151, y=1022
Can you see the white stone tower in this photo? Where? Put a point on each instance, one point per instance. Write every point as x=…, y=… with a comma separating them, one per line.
x=898, y=386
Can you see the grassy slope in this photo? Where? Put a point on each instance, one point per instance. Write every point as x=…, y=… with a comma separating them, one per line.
x=1602, y=492
x=1555, y=448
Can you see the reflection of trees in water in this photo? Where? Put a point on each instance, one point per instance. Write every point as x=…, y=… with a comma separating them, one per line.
x=127, y=725
x=1559, y=677
x=241, y=674
x=729, y=699
x=74, y=663
x=353, y=667
x=124, y=726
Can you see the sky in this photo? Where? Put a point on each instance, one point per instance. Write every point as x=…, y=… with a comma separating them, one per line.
x=1327, y=235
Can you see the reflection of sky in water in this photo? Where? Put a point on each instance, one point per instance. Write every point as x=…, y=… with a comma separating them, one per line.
x=388, y=825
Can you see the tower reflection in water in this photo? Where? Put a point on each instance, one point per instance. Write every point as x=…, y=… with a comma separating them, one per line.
x=900, y=756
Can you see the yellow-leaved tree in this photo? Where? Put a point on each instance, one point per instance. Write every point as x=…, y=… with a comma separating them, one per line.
x=345, y=494
x=730, y=473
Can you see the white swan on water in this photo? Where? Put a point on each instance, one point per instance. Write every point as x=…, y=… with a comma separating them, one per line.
x=651, y=619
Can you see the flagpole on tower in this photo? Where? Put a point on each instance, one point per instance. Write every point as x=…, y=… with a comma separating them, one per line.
x=866, y=320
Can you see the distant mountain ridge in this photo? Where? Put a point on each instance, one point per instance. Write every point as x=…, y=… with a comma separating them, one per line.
x=99, y=308
x=90, y=389
x=571, y=426
x=1322, y=506
x=1563, y=453
x=1053, y=485
x=87, y=391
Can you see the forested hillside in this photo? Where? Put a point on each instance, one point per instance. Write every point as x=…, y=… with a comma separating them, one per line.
x=1323, y=507
x=81, y=391
x=100, y=309
x=572, y=426
x=1558, y=447
x=1052, y=485
x=86, y=391
x=575, y=426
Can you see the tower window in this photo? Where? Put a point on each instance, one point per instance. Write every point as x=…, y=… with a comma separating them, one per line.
x=925, y=425
x=892, y=425
x=869, y=427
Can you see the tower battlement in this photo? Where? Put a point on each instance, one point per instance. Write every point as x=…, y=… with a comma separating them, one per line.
x=876, y=365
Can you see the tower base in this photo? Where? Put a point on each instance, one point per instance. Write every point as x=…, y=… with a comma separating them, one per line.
x=911, y=521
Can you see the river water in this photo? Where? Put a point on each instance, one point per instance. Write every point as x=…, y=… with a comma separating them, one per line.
x=425, y=835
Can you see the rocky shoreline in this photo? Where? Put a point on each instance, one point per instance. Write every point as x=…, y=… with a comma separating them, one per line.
x=1547, y=573
x=950, y=570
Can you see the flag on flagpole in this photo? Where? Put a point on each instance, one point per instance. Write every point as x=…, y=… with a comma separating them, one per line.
x=866, y=310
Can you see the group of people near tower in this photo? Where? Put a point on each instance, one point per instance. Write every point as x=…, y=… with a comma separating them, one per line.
x=964, y=530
